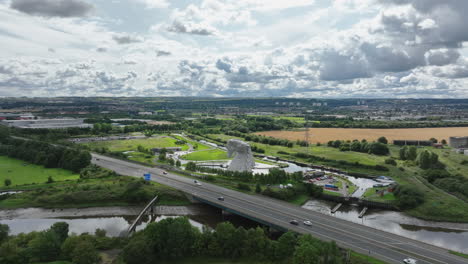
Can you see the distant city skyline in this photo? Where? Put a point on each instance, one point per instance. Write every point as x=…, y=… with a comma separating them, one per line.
x=228, y=48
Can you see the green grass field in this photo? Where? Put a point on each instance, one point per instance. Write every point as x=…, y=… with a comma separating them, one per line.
x=95, y=192
x=20, y=172
x=195, y=144
x=141, y=157
x=452, y=160
x=321, y=151
x=372, y=195
x=132, y=144
x=211, y=154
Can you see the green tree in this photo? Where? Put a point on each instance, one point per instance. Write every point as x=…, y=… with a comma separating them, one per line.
x=306, y=253
x=433, y=140
x=412, y=153
x=378, y=148
x=191, y=166
x=403, y=152
x=149, y=133
x=172, y=238
x=50, y=179
x=44, y=247
x=61, y=229
x=7, y=182
x=178, y=164
x=286, y=243
x=85, y=253
x=382, y=140
x=11, y=253
x=162, y=156
x=4, y=133
x=4, y=230
x=258, y=189
x=428, y=159
x=355, y=146
x=443, y=141
x=138, y=251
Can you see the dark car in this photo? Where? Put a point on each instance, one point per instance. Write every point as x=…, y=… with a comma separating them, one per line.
x=294, y=222
x=221, y=198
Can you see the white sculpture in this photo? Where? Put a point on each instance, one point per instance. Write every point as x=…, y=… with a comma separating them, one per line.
x=243, y=158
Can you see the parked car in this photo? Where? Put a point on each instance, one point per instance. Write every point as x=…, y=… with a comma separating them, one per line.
x=221, y=198
x=307, y=223
x=294, y=222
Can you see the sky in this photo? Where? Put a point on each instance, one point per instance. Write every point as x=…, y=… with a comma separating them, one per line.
x=234, y=48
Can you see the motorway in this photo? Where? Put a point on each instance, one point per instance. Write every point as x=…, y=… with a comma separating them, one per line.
x=386, y=246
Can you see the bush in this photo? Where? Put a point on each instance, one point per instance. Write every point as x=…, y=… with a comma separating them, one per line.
x=390, y=161
x=408, y=197
x=244, y=187
x=382, y=140
x=7, y=182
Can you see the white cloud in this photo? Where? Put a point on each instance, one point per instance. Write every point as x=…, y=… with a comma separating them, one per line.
x=151, y=4
x=342, y=48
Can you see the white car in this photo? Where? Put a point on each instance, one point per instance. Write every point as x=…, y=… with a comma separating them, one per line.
x=198, y=183
x=409, y=261
x=307, y=223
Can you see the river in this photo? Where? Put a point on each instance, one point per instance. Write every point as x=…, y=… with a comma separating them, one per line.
x=112, y=219
x=452, y=236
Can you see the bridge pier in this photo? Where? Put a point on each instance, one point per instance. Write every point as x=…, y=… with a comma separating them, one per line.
x=336, y=208
x=363, y=212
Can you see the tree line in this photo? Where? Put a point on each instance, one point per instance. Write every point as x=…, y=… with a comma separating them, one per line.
x=41, y=153
x=54, y=244
x=377, y=148
x=176, y=238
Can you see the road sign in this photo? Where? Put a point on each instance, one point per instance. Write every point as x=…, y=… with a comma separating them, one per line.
x=147, y=176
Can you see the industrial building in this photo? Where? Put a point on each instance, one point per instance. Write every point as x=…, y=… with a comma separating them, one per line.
x=47, y=123
x=458, y=142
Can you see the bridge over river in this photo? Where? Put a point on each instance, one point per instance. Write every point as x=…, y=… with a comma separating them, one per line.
x=388, y=247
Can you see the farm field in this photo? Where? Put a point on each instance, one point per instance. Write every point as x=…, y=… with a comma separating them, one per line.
x=20, y=172
x=324, y=135
x=132, y=144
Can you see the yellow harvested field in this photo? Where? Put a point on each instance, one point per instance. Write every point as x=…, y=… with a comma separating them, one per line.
x=324, y=135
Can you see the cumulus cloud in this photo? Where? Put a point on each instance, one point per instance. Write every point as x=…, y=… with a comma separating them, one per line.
x=336, y=66
x=53, y=8
x=440, y=57
x=191, y=28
